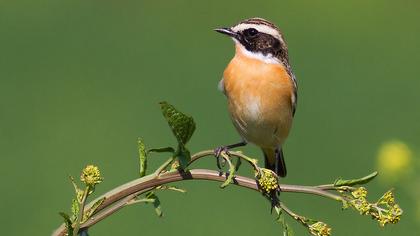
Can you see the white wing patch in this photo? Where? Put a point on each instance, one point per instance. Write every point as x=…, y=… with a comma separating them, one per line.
x=221, y=86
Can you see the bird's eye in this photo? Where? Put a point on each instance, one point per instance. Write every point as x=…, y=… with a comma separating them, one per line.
x=251, y=32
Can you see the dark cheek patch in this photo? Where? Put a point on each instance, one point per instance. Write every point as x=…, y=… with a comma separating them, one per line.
x=267, y=44
x=263, y=43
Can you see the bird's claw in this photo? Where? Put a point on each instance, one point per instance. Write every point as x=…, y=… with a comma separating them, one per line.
x=217, y=152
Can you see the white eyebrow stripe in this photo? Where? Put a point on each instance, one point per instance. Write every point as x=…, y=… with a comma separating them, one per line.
x=261, y=28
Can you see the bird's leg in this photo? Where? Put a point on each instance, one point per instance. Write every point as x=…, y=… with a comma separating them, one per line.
x=274, y=199
x=277, y=159
x=277, y=192
x=226, y=148
x=219, y=150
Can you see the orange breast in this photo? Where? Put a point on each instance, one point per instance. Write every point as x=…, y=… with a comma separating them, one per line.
x=259, y=96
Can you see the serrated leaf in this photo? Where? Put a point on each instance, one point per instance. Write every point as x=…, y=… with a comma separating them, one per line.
x=163, y=149
x=342, y=182
x=74, y=208
x=156, y=203
x=142, y=157
x=182, y=125
x=67, y=222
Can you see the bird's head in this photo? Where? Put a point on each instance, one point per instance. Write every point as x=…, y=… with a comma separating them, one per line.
x=258, y=38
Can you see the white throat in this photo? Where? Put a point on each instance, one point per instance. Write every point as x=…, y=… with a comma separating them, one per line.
x=269, y=58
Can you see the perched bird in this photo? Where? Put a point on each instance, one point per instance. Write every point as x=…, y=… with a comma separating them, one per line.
x=261, y=89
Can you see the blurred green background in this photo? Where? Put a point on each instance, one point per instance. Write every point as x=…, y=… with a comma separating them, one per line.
x=81, y=80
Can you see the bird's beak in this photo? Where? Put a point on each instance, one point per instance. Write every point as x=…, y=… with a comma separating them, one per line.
x=227, y=31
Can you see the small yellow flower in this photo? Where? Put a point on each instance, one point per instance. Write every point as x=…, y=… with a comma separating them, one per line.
x=392, y=216
x=359, y=193
x=385, y=210
x=394, y=161
x=91, y=175
x=361, y=205
x=320, y=229
x=387, y=198
x=267, y=180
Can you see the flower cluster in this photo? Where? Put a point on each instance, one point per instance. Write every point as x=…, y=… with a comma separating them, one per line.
x=359, y=202
x=267, y=180
x=91, y=176
x=319, y=229
x=385, y=210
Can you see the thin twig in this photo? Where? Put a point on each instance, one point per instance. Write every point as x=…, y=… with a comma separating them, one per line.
x=291, y=213
x=118, y=197
x=164, y=166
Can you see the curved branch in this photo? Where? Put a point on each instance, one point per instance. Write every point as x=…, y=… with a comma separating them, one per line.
x=120, y=196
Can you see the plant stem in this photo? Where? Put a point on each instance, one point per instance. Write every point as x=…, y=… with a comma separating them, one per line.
x=295, y=216
x=81, y=211
x=118, y=197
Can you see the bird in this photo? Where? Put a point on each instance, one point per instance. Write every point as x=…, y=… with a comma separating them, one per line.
x=261, y=89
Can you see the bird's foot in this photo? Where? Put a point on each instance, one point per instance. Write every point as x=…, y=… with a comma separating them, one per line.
x=226, y=148
x=217, y=152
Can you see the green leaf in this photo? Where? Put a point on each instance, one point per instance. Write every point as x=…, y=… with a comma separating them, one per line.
x=287, y=231
x=229, y=179
x=93, y=209
x=342, y=182
x=163, y=149
x=75, y=208
x=238, y=164
x=182, y=125
x=67, y=222
x=77, y=190
x=173, y=188
x=142, y=157
x=156, y=203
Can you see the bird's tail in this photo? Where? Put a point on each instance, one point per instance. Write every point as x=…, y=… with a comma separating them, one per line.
x=274, y=160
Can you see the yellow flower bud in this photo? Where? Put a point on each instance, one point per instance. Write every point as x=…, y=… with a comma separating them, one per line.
x=320, y=229
x=267, y=180
x=91, y=175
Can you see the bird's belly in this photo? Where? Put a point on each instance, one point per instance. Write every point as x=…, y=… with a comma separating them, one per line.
x=262, y=120
x=260, y=100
